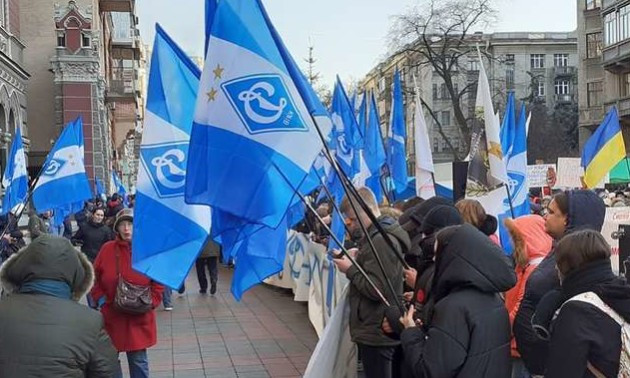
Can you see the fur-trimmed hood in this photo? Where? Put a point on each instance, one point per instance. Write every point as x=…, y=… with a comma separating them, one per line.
x=51, y=258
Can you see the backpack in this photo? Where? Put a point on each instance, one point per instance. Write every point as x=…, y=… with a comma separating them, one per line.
x=624, y=359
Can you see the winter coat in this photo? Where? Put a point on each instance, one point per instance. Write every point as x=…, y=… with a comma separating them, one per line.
x=582, y=333
x=586, y=211
x=128, y=332
x=468, y=334
x=113, y=208
x=44, y=333
x=9, y=248
x=210, y=249
x=366, y=309
x=531, y=244
x=92, y=236
x=37, y=226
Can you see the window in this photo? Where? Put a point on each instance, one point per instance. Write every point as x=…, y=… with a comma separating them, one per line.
x=509, y=78
x=561, y=87
x=85, y=40
x=594, y=92
x=444, y=95
x=624, y=22
x=537, y=60
x=594, y=45
x=560, y=60
x=445, y=118
x=540, y=92
x=381, y=84
x=610, y=29
x=435, y=91
x=509, y=58
x=624, y=85
x=473, y=65
x=61, y=40
x=436, y=144
x=593, y=4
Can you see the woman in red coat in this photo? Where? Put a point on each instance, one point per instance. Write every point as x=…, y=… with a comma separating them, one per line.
x=130, y=333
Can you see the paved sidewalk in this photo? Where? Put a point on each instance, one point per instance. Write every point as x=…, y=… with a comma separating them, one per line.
x=267, y=334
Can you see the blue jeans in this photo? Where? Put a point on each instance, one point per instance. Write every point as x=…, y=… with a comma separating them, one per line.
x=138, y=364
x=166, y=297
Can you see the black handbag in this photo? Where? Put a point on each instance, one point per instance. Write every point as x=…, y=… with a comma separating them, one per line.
x=131, y=298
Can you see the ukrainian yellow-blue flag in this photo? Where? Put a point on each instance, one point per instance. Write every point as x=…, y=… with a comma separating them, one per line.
x=603, y=150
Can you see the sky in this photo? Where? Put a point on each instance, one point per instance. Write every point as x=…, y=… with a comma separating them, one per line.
x=349, y=37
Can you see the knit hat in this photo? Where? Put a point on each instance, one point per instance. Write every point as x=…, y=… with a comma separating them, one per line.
x=413, y=217
x=123, y=215
x=439, y=218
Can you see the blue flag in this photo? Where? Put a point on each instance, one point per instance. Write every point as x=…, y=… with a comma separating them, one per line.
x=514, y=143
x=63, y=181
x=15, y=178
x=118, y=185
x=347, y=138
x=100, y=189
x=210, y=10
x=397, y=159
x=254, y=138
x=374, y=152
x=166, y=250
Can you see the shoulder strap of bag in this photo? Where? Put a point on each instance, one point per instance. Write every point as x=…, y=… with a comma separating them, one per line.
x=117, y=260
x=594, y=299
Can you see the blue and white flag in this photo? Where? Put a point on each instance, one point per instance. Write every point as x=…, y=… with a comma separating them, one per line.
x=118, y=185
x=374, y=152
x=396, y=158
x=166, y=250
x=514, y=143
x=15, y=178
x=254, y=136
x=100, y=189
x=63, y=181
x=347, y=138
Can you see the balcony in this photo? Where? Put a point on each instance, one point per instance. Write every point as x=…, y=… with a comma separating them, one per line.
x=122, y=86
x=564, y=98
x=616, y=58
x=623, y=106
x=564, y=71
x=126, y=45
x=116, y=5
x=591, y=116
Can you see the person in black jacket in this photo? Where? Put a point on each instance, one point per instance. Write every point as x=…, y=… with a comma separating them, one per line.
x=468, y=332
x=585, y=340
x=568, y=212
x=93, y=234
x=377, y=350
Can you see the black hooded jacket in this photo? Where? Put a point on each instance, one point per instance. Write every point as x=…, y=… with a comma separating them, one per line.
x=469, y=331
x=586, y=211
x=582, y=333
x=92, y=236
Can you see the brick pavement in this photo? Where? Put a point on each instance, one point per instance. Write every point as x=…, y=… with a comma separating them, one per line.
x=267, y=334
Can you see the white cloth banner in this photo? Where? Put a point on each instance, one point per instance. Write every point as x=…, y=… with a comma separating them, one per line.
x=335, y=354
x=313, y=278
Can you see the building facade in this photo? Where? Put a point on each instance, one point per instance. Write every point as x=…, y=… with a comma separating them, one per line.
x=604, y=50
x=13, y=79
x=84, y=60
x=539, y=67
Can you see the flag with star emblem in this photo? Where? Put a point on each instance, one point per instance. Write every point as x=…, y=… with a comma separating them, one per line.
x=165, y=251
x=15, y=178
x=254, y=137
x=63, y=180
x=486, y=169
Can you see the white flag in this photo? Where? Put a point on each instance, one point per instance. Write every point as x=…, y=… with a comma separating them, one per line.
x=492, y=126
x=425, y=187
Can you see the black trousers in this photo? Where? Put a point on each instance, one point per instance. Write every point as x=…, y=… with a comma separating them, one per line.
x=378, y=362
x=200, y=267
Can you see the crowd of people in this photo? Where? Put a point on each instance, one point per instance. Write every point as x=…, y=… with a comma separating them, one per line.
x=459, y=305
x=49, y=332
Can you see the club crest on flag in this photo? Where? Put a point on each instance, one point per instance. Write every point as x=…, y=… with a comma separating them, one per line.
x=264, y=104
x=54, y=166
x=516, y=184
x=166, y=165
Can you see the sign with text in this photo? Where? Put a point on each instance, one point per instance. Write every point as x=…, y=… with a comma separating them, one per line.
x=540, y=175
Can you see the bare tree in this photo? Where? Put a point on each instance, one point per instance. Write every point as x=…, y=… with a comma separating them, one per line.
x=439, y=34
x=322, y=90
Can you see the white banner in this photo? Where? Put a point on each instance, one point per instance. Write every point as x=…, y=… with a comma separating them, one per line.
x=312, y=276
x=614, y=217
x=539, y=174
x=570, y=174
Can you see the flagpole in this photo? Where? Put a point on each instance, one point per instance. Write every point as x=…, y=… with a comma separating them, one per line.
x=342, y=248
x=507, y=189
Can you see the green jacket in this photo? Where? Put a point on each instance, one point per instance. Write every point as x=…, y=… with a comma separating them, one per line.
x=37, y=226
x=366, y=309
x=49, y=335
